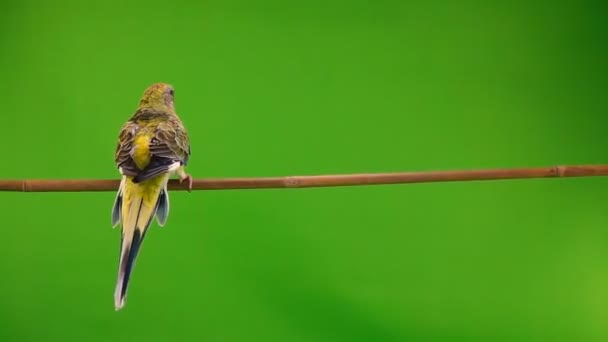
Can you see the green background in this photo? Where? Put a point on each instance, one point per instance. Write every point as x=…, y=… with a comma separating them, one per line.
x=315, y=87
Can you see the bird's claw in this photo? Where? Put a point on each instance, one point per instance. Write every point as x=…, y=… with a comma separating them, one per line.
x=188, y=177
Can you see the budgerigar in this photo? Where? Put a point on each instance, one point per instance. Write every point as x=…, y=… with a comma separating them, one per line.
x=152, y=146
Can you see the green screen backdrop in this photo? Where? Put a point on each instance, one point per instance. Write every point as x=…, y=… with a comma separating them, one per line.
x=316, y=87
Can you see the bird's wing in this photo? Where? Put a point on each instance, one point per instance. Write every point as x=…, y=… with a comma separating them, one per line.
x=124, y=149
x=171, y=141
x=169, y=144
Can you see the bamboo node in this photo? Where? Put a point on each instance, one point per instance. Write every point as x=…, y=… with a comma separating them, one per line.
x=559, y=171
x=292, y=182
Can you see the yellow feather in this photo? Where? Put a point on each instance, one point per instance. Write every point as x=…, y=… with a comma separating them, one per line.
x=141, y=153
x=138, y=209
x=147, y=191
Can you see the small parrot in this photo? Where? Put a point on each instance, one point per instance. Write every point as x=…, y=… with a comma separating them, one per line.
x=152, y=146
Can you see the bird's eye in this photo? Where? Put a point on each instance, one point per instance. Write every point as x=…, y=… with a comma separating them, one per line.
x=171, y=92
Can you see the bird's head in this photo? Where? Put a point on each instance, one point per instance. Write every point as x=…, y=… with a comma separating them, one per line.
x=158, y=97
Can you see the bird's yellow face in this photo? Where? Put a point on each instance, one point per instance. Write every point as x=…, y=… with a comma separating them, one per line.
x=158, y=96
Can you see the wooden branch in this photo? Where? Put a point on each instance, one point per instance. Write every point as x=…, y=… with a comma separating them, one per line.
x=74, y=185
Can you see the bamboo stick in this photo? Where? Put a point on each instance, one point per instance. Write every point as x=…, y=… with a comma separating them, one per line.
x=79, y=185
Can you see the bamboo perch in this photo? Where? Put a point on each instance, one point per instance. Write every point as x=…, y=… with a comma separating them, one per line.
x=76, y=185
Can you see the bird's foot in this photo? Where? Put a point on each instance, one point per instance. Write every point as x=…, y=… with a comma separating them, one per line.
x=188, y=177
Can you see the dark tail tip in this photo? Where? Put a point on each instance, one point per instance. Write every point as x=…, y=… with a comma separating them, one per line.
x=127, y=261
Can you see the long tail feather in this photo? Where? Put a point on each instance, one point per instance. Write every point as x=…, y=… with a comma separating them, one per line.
x=117, y=207
x=140, y=202
x=162, y=210
x=130, y=248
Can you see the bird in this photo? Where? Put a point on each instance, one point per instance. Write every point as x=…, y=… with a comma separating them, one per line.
x=153, y=145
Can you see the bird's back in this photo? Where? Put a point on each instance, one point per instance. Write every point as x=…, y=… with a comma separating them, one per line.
x=140, y=153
